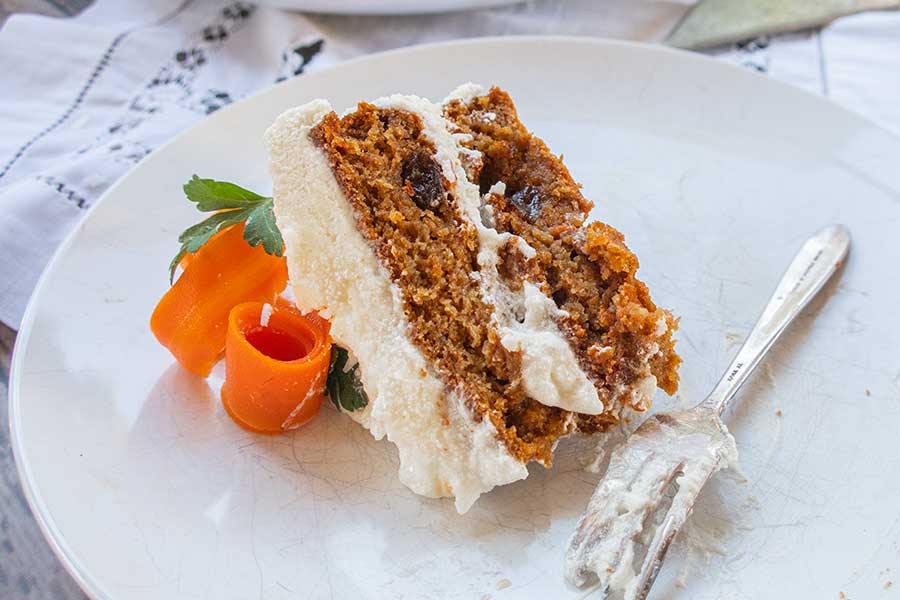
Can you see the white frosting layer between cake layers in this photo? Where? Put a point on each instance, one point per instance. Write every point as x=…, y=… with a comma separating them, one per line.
x=525, y=320
x=551, y=372
x=332, y=267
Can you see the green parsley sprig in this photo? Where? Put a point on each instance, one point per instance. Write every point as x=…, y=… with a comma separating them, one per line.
x=232, y=204
x=343, y=384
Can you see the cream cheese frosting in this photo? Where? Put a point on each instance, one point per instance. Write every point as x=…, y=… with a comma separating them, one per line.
x=443, y=450
x=551, y=372
x=351, y=287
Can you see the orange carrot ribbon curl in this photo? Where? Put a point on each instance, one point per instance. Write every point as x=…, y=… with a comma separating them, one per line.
x=276, y=365
x=191, y=318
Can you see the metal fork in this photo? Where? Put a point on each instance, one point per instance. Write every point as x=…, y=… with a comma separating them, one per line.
x=633, y=516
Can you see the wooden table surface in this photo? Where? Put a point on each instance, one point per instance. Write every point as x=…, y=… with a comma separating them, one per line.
x=28, y=568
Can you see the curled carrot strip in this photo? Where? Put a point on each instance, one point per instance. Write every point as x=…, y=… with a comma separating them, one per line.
x=189, y=257
x=276, y=364
x=192, y=317
x=315, y=317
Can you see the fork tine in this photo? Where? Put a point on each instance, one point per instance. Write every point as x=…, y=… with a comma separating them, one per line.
x=680, y=509
x=593, y=527
x=656, y=553
x=594, y=544
x=626, y=530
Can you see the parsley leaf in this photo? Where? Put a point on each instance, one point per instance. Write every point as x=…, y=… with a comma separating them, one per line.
x=232, y=205
x=261, y=228
x=343, y=384
x=194, y=237
x=211, y=195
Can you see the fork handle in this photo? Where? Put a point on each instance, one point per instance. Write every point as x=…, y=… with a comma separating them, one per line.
x=815, y=263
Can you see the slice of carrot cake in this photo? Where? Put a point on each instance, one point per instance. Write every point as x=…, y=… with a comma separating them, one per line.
x=484, y=319
x=623, y=341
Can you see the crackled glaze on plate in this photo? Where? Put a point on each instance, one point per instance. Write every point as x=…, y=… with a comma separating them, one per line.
x=147, y=490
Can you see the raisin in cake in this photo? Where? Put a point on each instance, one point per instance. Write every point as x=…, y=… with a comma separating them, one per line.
x=449, y=248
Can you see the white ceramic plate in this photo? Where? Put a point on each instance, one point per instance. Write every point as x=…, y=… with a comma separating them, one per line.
x=383, y=7
x=147, y=490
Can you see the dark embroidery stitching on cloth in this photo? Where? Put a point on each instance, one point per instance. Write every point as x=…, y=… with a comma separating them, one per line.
x=213, y=100
x=175, y=80
x=98, y=69
x=294, y=60
x=67, y=192
x=129, y=150
x=755, y=53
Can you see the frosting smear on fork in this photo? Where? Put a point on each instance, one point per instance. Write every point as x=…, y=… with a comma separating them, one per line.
x=630, y=518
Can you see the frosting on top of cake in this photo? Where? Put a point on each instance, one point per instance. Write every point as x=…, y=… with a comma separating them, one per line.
x=464, y=93
x=332, y=268
x=443, y=450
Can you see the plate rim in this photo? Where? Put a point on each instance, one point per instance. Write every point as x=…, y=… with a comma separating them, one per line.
x=39, y=510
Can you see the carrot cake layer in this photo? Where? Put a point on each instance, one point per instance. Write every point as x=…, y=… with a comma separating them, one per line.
x=622, y=339
x=476, y=339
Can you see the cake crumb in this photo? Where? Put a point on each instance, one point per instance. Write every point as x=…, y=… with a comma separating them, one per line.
x=767, y=370
x=842, y=596
x=732, y=338
x=503, y=584
x=888, y=584
x=868, y=392
x=778, y=413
